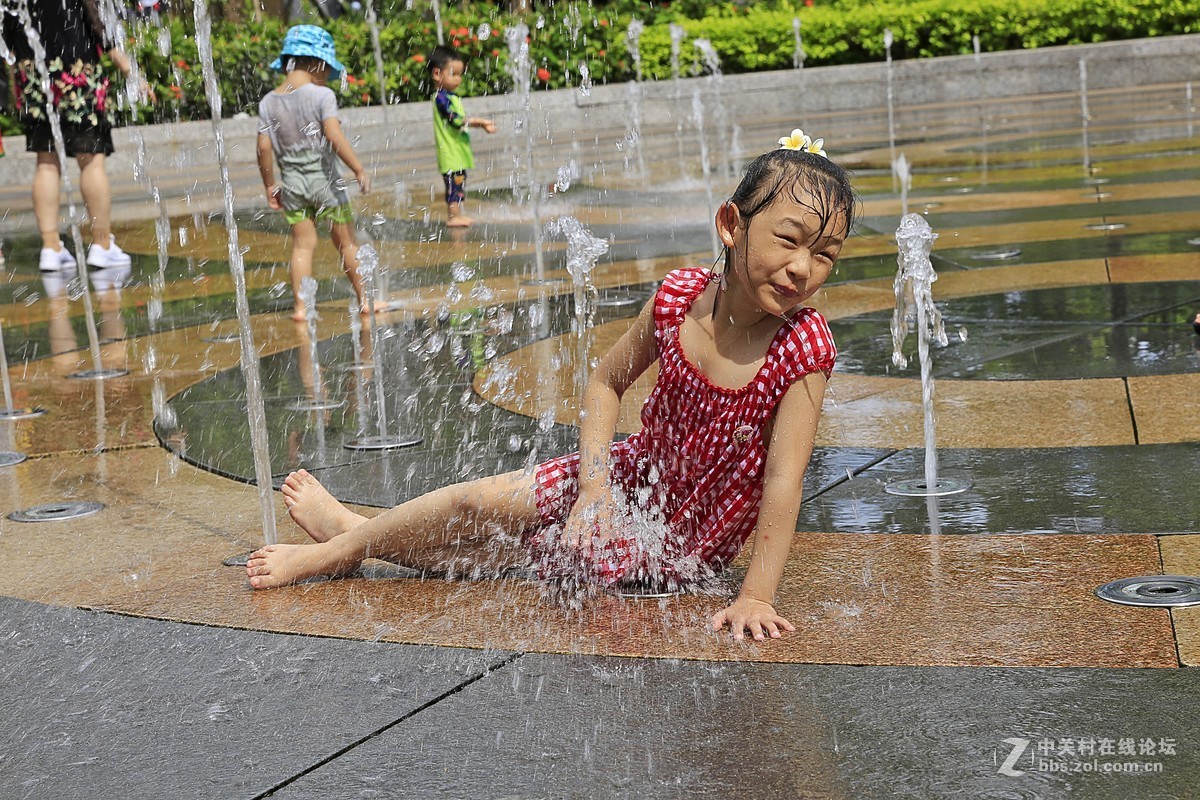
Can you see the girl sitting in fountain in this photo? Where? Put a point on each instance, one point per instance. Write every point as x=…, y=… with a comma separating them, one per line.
x=726, y=436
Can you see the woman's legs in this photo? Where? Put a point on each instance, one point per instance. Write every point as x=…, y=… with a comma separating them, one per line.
x=304, y=243
x=47, y=183
x=467, y=525
x=344, y=240
x=97, y=196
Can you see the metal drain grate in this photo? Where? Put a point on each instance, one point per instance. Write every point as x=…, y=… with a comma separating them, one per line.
x=383, y=442
x=221, y=338
x=56, y=511
x=997, y=255
x=635, y=591
x=315, y=405
x=10, y=458
x=618, y=299
x=1159, y=591
x=240, y=560
x=21, y=413
x=919, y=487
x=98, y=374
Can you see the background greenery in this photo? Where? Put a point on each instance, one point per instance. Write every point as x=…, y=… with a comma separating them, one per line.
x=749, y=36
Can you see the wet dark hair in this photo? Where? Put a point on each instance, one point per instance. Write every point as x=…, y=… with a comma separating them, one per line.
x=306, y=63
x=442, y=55
x=811, y=180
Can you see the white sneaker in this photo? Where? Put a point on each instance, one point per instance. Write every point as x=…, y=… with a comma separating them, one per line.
x=112, y=256
x=51, y=260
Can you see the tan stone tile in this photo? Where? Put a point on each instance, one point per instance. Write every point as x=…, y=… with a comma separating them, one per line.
x=161, y=517
x=979, y=601
x=1181, y=556
x=155, y=550
x=1152, y=268
x=966, y=283
x=1165, y=407
x=981, y=414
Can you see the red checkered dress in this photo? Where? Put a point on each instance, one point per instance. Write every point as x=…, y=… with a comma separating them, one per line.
x=697, y=464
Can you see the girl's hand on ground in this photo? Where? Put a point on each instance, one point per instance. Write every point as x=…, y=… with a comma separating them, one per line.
x=364, y=181
x=590, y=523
x=747, y=614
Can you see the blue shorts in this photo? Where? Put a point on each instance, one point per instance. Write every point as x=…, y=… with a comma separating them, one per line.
x=456, y=186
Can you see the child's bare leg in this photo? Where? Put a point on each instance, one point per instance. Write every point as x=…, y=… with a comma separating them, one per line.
x=446, y=526
x=314, y=509
x=304, y=244
x=345, y=241
x=456, y=219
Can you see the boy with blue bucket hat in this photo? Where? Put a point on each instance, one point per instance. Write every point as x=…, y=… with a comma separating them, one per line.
x=298, y=127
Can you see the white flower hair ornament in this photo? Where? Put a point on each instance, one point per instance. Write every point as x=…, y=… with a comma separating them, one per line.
x=799, y=140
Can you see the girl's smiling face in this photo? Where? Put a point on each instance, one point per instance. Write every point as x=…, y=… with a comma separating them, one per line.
x=787, y=251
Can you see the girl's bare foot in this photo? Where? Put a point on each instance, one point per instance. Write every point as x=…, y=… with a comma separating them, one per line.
x=460, y=222
x=314, y=509
x=299, y=315
x=283, y=564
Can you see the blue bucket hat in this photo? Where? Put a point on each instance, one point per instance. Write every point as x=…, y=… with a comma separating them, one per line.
x=310, y=40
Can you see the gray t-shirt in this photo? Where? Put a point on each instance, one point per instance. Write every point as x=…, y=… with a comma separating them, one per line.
x=292, y=122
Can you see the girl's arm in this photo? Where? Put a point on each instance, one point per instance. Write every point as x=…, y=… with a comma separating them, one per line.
x=266, y=169
x=787, y=458
x=600, y=409
x=332, y=129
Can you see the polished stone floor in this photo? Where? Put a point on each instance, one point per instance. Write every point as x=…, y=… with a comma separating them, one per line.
x=945, y=648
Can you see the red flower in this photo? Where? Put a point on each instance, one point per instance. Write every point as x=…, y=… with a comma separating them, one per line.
x=495, y=52
x=420, y=59
x=603, y=53
x=603, y=23
x=366, y=97
x=461, y=32
x=543, y=74
x=456, y=42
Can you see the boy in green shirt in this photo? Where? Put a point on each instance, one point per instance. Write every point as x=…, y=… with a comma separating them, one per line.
x=450, y=123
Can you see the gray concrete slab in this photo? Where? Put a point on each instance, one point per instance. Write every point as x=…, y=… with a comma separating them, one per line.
x=101, y=706
x=577, y=727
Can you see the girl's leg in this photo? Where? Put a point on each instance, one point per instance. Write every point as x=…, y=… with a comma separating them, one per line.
x=475, y=524
x=47, y=182
x=314, y=509
x=455, y=218
x=456, y=193
x=345, y=241
x=304, y=243
x=97, y=195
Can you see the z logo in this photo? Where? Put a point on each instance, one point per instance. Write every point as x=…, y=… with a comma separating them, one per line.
x=1018, y=748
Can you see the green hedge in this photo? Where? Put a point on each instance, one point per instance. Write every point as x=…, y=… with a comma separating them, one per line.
x=748, y=37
